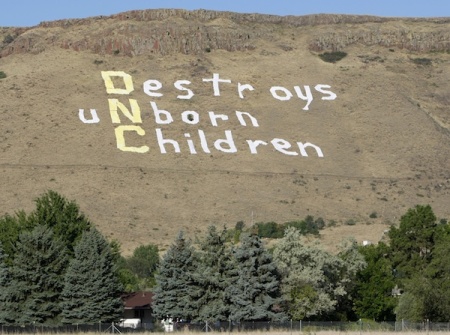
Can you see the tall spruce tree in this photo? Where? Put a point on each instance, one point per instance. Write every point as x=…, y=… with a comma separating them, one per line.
x=36, y=278
x=176, y=292
x=5, y=279
x=211, y=276
x=92, y=289
x=254, y=291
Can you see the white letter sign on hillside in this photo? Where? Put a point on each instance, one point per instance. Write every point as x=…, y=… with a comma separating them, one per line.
x=127, y=118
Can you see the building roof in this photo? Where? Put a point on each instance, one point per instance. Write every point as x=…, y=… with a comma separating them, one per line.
x=137, y=300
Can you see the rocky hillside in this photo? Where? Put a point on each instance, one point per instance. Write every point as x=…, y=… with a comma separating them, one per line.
x=204, y=117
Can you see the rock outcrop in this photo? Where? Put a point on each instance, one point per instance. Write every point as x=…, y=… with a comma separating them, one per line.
x=170, y=31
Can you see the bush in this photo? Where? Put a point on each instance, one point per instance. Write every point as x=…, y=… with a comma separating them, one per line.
x=373, y=215
x=332, y=57
x=2, y=75
x=269, y=230
x=350, y=222
x=422, y=61
x=8, y=39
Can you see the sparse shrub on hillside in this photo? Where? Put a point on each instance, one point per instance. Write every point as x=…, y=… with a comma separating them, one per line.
x=332, y=223
x=274, y=230
x=350, y=222
x=373, y=215
x=422, y=61
x=2, y=75
x=98, y=62
x=332, y=57
x=8, y=39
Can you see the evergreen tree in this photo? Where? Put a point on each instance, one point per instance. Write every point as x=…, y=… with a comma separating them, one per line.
x=176, y=292
x=211, y=276
x=36, y=278
x=92, y=289
x=5, y=279
x=254, y=290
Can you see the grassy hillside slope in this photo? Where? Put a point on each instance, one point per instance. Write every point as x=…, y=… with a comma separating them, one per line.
x=385, y=138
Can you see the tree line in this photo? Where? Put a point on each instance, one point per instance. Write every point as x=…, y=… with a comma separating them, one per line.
x=56, y=267
x=219, y=279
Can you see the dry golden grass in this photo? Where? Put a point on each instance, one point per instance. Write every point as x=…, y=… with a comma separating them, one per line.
x=385, y=138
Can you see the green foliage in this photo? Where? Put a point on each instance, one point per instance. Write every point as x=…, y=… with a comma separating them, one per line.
x=412, y=243
x=419, y=252
x=8, y=39
x=176, y=293
x=254, y=291
x=63, y=216
x=92, y=289
x=238, y=229
x=143, y=264
x=422, y=61
x=313, y=280
x=374, y=285
x=350, y=222
x=269, y=229
x=10, y=229
x=129, y=280
x=36, y=278
x=332, y=57
x=306, y=226
x=35, y=256
x=2, y=75
x=408, y=308
x=275, y=230
x=5, y=291
x=212, y=276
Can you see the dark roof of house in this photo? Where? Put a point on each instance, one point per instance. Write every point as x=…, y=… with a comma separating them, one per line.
x=137, y=300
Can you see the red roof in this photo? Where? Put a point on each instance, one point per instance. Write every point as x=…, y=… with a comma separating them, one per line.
x=137, y=300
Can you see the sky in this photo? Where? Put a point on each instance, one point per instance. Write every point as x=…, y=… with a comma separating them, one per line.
x=32, y=12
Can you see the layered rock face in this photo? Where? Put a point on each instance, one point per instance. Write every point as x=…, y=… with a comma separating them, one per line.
x=167, y=32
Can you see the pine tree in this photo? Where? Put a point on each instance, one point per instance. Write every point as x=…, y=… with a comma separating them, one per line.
x=36, y=278
x=254, y=291
x=92, y=289
x=176, y=293
x=211, y=276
